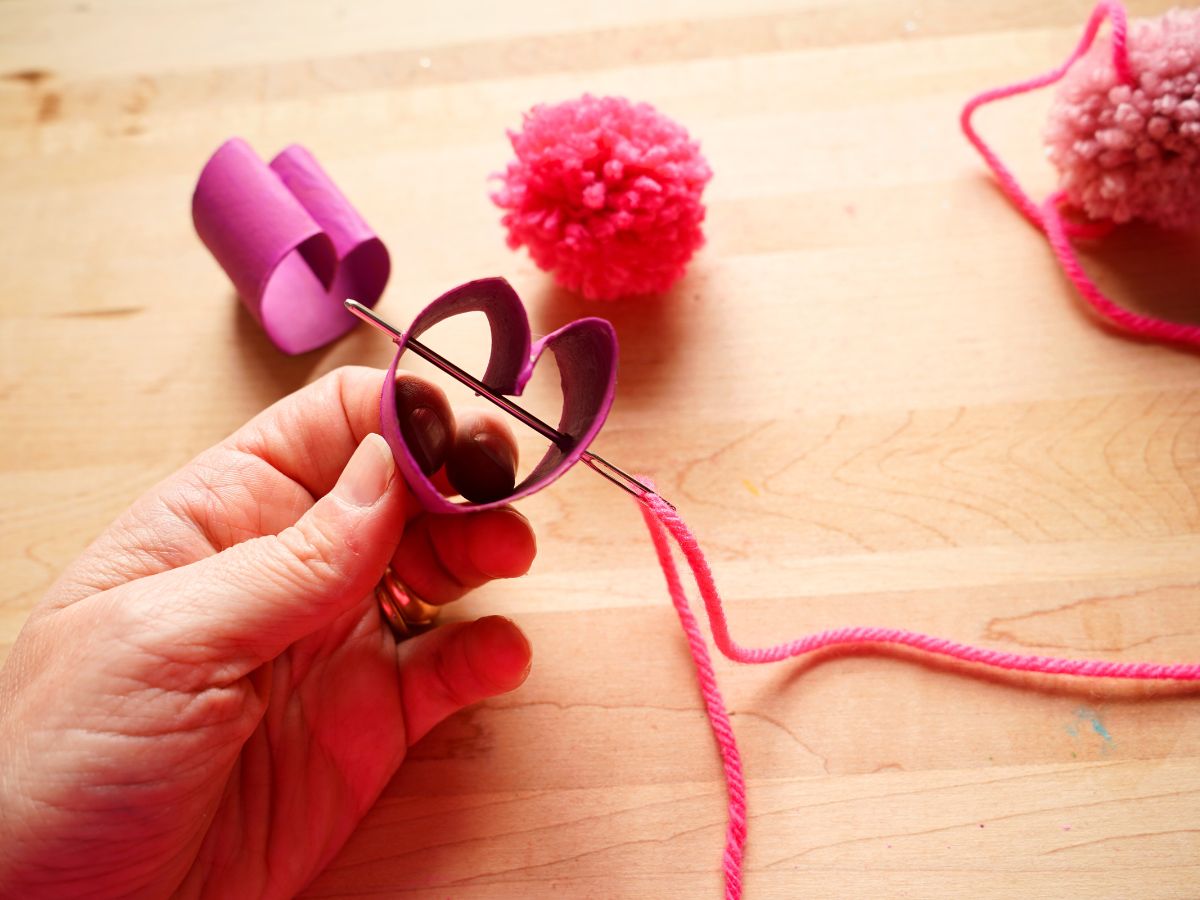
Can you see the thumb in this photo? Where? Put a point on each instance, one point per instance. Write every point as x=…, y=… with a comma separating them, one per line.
x=251, y=601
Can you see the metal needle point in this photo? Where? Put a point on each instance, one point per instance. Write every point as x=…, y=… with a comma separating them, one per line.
x=564, y=442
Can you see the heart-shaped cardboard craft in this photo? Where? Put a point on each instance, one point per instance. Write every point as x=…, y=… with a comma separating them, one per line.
x=290, y=242
x=586, y=353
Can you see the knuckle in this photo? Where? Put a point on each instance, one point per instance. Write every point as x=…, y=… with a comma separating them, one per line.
x=446, y=549
x=340, y=388
x=308, y=554
x=454, y=678
x=337, y=382
x=340, y=378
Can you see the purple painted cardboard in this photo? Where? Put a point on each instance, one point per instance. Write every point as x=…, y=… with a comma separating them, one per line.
x=290, y=242
x=586, y=353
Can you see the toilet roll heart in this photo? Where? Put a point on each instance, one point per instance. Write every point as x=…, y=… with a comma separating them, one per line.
x=586, y=354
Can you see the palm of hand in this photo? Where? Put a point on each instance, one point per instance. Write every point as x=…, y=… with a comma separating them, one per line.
x=323, y=744
x=201, y=763
x=320, y=732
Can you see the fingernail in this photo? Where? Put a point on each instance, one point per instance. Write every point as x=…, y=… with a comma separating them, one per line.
x=497, y=450
x=368, y=474
x=427, y=438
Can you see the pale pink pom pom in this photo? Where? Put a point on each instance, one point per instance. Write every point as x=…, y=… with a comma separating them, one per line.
x=605, y=193
x=1133, y=151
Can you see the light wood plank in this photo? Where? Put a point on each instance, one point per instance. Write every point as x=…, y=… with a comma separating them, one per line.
x=874, y=397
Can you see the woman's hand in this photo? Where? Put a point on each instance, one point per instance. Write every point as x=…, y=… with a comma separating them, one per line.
x=207, y=701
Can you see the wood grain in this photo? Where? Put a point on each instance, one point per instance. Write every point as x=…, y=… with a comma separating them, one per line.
x=874, y=397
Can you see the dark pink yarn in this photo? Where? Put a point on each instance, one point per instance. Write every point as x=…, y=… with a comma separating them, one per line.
x=605, y=193
x=665, y=525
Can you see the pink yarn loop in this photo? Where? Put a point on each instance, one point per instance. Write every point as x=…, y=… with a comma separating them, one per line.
x=1057, y=232
x=1008, y=181
x=662, y=520
x=1047, y=216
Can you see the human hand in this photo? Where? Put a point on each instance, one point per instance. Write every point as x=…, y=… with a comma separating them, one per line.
x=207, y=701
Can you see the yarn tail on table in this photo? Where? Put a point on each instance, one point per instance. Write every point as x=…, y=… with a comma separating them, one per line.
x=663, y=521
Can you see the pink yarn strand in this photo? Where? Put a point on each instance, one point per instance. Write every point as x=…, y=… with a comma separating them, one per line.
x=1008, y=182
x=662, y=520
x=714, y=704
x=1107, y=309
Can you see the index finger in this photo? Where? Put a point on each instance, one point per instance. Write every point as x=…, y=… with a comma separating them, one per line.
x=257, y=481
x=309, y=435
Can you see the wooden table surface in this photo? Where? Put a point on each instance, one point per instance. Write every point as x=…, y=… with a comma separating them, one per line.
x=874, y=397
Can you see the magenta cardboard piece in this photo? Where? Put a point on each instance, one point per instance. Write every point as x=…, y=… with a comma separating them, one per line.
x=586, y=353
x=292, y=245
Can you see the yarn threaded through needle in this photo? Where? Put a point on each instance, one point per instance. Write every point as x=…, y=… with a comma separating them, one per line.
x=663, y=520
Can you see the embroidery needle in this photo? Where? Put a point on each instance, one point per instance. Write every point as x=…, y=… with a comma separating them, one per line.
x=593, y=461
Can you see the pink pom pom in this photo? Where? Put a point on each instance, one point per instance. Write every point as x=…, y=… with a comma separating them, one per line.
x=605, y=193
x=1132, y=150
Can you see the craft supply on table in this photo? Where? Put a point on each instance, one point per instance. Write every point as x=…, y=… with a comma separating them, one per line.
x=1124, y=133
x=605, y=194
x=290, y=242
x=581, y=370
